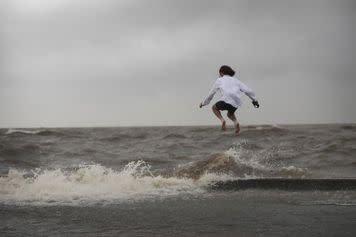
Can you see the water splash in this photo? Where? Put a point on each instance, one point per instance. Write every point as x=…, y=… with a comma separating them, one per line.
x=94, y=183
x=262, y=163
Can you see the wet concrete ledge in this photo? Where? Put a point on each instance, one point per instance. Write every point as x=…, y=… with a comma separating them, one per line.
x=285, y=184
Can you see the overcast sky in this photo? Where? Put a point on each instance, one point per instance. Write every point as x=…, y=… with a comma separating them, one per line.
x=144, y=63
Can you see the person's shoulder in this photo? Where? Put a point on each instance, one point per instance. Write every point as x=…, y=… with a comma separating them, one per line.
x=218, y=80
x=236, y=79
x=232, y=79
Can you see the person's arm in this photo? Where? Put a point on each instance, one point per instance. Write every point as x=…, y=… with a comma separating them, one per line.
x=211, y=94
x=245, y=89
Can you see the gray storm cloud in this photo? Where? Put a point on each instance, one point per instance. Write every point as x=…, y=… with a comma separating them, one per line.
x=128, y=63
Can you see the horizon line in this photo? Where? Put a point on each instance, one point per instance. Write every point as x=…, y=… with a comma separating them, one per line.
x=200, y=125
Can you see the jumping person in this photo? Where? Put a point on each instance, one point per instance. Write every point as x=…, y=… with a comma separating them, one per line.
x=230, y=88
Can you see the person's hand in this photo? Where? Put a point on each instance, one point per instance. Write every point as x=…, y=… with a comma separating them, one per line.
x=200, y=105
x=255, y=104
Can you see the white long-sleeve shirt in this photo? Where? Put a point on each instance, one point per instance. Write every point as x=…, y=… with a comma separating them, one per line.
x=230, y=88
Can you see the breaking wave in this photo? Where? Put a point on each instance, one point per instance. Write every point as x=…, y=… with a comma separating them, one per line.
x=44, y=132
x=94, y=183
x=261, y=163
x=90, y=184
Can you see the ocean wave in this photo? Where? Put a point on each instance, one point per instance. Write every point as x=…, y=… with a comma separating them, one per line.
x=120, y=137
x=262, y=162
x=217, y=163
x=239, y=162
x=174, y=135
x=291, y=171
x=23, y=131
x=13, y=151
x=344, y=145
x=263, y=130
x=348, y=127
x=332, y=203
x=44, y=132
x=92, y=184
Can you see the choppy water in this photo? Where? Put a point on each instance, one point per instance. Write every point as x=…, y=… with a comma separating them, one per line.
x=149, y=168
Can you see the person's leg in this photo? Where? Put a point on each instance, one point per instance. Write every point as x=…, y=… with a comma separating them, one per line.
x=218, y=114
x=231, y=116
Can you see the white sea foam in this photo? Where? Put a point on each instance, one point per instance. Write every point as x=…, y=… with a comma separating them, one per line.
x=292, y=171
x=238, y=153
x=261, y=161
x=90, y=184
x=24, y=131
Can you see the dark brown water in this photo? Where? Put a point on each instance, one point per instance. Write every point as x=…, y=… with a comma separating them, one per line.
x=151, y=181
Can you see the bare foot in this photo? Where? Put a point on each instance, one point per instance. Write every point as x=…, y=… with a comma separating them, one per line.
x=223, y=125
x=237, y=128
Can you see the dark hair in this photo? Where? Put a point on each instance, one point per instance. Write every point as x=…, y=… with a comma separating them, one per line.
x=226, y=70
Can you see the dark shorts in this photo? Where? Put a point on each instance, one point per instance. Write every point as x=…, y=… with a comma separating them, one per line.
x=221, y=105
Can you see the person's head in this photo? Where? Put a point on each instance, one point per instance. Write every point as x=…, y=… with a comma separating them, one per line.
x=226, y=70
